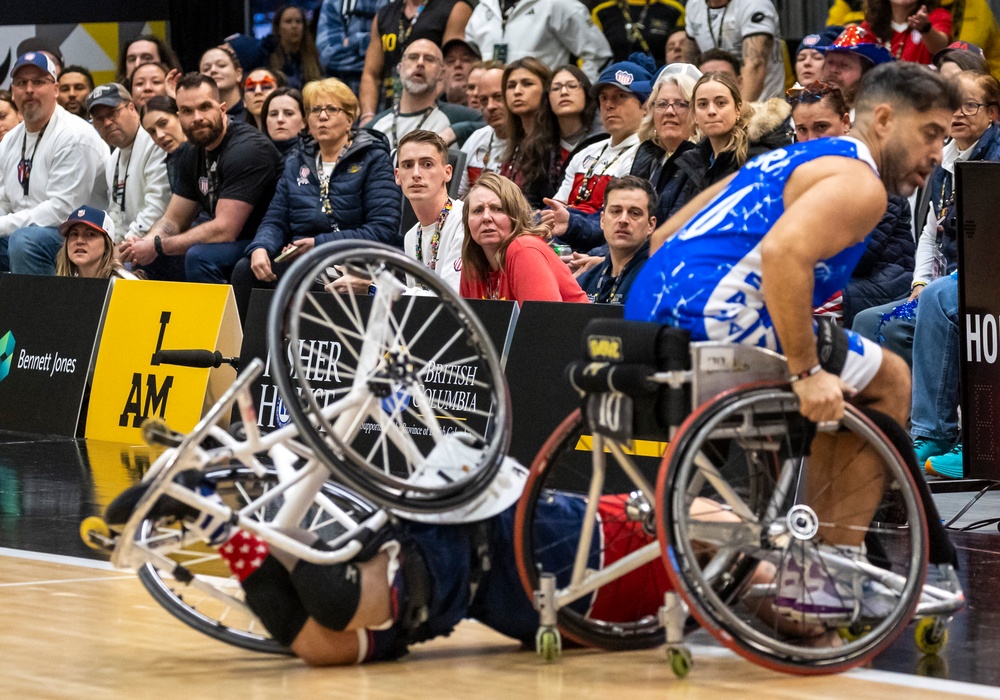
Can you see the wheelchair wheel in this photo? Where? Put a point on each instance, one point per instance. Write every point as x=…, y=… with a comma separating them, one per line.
x=413, y=412
x=201, y=592
x=621, y=614
x=775, y=552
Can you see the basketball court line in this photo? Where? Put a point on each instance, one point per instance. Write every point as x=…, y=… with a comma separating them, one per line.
x=902, y=680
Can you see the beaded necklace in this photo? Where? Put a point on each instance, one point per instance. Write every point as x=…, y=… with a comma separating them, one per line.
x=324, y=179
x=435, y=237
x=586, y=188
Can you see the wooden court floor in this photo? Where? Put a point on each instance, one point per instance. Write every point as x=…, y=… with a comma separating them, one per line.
x=76, y=629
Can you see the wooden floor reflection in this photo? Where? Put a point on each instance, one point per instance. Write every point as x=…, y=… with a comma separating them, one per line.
x=82, y=631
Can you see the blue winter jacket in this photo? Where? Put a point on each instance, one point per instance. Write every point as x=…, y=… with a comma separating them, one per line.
x=364, y=196
x=340, y=19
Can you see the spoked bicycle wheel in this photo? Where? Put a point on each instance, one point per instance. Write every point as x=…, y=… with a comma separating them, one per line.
x=803, y=551
x=549, y=535
x=203, y=594
x=402, y=395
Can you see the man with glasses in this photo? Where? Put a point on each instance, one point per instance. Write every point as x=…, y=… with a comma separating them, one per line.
x=420, y=72
x=228, y=169
x=136, y=169
x=50, y=164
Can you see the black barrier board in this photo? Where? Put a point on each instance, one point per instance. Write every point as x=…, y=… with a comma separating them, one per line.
x=48, y=332
x=321, y=351
x=979, y=316
x=549, y=335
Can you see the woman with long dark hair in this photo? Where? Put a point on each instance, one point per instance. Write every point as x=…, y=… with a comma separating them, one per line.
x=292, y=47
x=574, y=107
x=531, y=158
x=913, y=30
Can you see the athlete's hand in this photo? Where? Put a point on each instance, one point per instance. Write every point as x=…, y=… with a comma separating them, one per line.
x=821, y=397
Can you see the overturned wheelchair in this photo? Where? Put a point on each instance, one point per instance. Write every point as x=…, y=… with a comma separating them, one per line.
x=728, y=531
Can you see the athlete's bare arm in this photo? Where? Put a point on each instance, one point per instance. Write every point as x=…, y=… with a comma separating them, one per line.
x=685, y=214
x=831, y=204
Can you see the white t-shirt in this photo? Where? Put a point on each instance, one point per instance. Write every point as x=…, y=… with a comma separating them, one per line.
x=484, y=151
x=435, y=121
x=726, y=28
x=449, y=257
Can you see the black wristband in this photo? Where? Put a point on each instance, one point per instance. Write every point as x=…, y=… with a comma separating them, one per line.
x=158, y=245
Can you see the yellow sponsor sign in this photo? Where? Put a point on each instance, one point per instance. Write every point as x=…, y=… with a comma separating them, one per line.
x=144, y=317
x=638, y=448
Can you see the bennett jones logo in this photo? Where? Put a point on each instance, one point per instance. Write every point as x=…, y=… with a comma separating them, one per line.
x=6, y=354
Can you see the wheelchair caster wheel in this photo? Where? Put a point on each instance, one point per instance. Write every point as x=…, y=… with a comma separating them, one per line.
x=96, y=534
x=931, y=635
x=854, y=632
x=680, y=661
x=548, y=644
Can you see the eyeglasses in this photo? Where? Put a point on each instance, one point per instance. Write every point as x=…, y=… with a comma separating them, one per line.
x=22, y=83
x=265, y=84
x=676, y=105
x=570, y=85
x=813, y=92
x=109, y=116
x=970, y=108
x=428, y=58
x=330, y=110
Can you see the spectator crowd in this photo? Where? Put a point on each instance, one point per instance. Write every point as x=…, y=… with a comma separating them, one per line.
x=520, y=149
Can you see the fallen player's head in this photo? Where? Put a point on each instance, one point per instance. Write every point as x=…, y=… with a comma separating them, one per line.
x=904, y=112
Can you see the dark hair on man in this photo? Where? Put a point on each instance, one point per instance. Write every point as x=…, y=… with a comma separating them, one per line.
x=194, y=80
x=908, y=85
x=721, y=55
x=82, y=71
x=167, y=55
x=160, y=103
x=428, y=137
x=632, y=182
x=965, y=60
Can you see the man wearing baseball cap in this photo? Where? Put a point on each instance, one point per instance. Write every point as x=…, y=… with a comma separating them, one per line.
x=621, y=92
x=49, y=163
x=855, y=52
x=136, y=168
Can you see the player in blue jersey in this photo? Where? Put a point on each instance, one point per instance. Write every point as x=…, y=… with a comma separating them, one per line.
x=748, y=259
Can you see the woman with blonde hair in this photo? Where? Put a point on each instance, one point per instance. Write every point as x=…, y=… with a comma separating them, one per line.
x=504, y=254
x=666, y=131
x=337, y=184
x=731, y=131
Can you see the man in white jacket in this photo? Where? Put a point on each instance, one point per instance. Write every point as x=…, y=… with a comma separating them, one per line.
x=136, y=170
x=549, y=30
x=50, y=164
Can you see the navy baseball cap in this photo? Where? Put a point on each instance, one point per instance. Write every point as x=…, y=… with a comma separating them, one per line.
x=108, y=95
x=814, y=41
x=628, y=77
x=957, y=46
x=37, y=59
x=96, y=219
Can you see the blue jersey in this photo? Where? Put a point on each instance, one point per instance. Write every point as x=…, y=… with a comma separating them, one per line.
x=707, y=277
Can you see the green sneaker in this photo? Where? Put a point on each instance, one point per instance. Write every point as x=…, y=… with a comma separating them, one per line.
x=947, y=465
x=926, y=448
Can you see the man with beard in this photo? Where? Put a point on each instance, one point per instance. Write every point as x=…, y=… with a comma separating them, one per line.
x=852, y=55
x=50, y=164
x=228, y=169
x=420, y=71
x=75, y=83
x=136, y=168
x=486, y=146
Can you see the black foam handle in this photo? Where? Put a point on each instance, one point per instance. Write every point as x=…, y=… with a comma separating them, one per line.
x=600, y=377
x=190, y=358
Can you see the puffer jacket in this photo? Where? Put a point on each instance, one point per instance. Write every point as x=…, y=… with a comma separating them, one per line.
x=884, y=272
x=364, y=195
x=342, y=35
x=769, y=128
x=987, y=149
x=646, y=165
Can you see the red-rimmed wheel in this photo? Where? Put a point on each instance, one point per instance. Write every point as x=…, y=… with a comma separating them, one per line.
x=779, y=537
x=622, y=613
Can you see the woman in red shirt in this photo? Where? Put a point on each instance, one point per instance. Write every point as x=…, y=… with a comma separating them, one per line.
x=913, y=30
x=504, y=255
